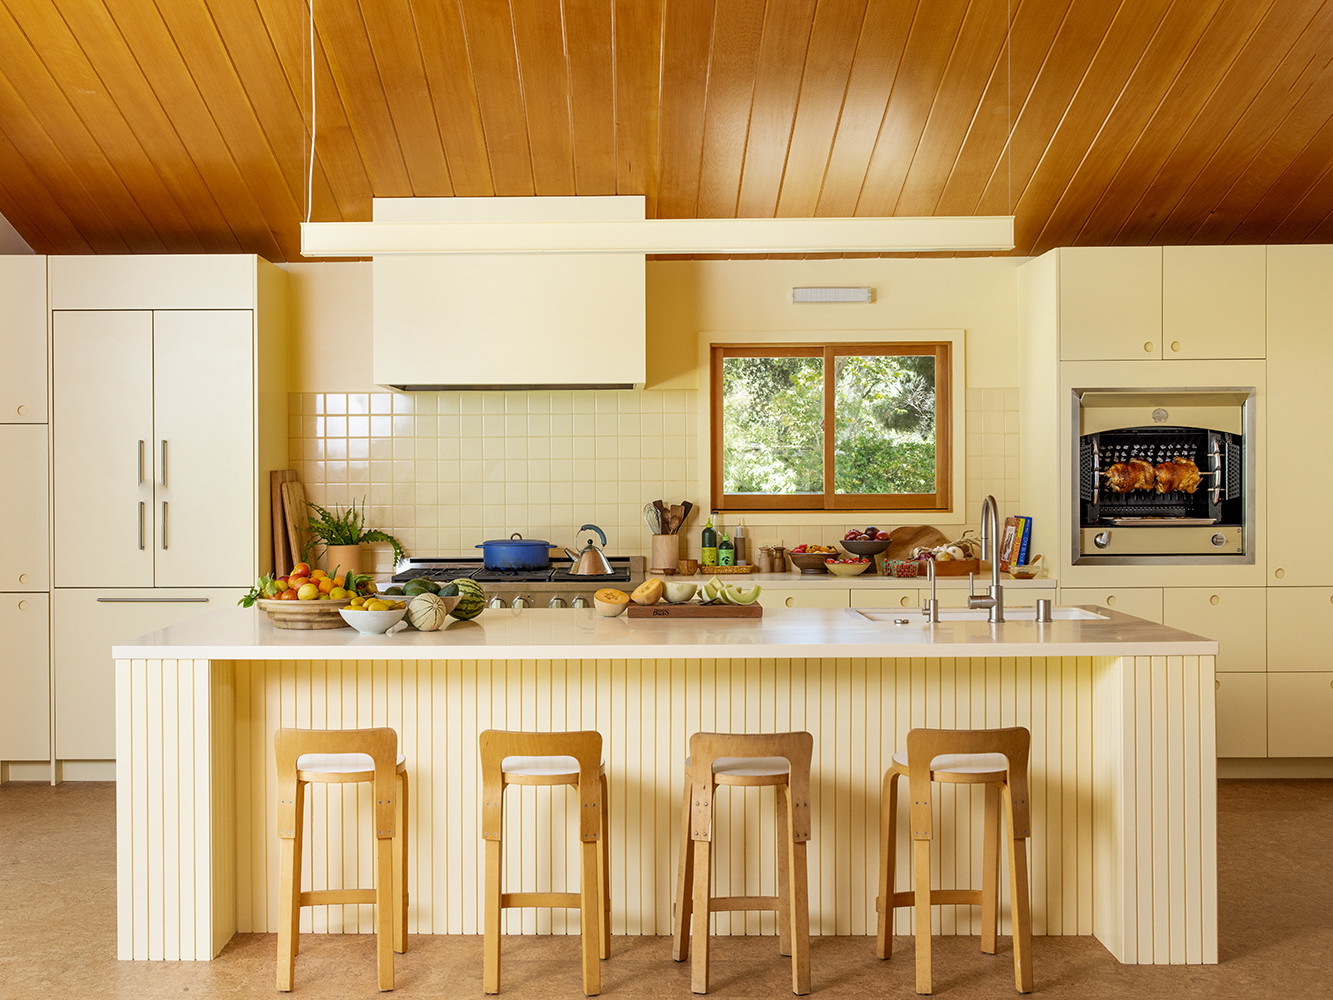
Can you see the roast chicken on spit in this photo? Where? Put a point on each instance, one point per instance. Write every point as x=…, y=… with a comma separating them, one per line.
x=1167, y=477
x=1178, y=474
x=1136, y=474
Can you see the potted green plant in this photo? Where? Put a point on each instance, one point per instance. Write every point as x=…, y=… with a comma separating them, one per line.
x=341, y=533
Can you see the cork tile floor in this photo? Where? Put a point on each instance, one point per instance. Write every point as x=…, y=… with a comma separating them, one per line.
x=57, y=929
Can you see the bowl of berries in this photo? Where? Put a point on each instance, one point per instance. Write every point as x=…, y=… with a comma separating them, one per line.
x=847, y=567
x=868, y=542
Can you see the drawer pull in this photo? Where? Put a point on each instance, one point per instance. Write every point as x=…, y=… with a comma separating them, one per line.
x=153, y=600
x=1110, y=600
x=1175, y=346
x=1215, y=600
x=1279, y=573
x=23, y=605
x=1217, y=685
x=789, y=603
x=1148, y=347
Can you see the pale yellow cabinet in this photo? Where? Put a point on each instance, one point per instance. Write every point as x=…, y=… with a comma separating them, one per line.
x=1236, y=617
x=1300, y=358
x=1300, y=714
x=85, y=625
x=1300, y=622
x=1110, y=303
x=1214, y=302
x=905, y=598
x=24, y=555
x=1141, y=602
x=154, y=429
x=22, y=339
x=914, y=599
x=1154, y=303
x=25, y=699
x=1242, y=715
x=802, y=597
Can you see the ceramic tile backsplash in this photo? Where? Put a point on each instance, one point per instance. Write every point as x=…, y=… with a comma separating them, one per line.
x=444, y=471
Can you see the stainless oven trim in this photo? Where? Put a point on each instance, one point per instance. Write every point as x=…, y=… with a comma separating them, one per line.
x=1072, y=499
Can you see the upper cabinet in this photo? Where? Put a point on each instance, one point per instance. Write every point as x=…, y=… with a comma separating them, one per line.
x=1155, y=303
x=1110, y=303
x=1214, y=302
x=23, y=339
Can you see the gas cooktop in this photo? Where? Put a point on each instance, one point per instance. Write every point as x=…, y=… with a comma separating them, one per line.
x=442, y=570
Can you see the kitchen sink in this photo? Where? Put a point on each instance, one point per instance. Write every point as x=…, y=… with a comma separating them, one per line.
x=914, y=615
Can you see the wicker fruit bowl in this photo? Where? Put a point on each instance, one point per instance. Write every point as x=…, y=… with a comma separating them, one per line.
x=304, y=614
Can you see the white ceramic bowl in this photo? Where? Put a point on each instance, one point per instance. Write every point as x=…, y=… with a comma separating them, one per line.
x=679, y=593
x=847, y=569
x=372, y=622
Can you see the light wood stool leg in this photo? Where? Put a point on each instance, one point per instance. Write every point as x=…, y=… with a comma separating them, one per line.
x=888, y=825
x=782, y=806
x=590, y=916
x=800, y=917
x=699, y=934
x=990, y=870
x=680, y=925
x=604, y=870
x=384, y=910
x=921, y=886
x=297, y=860
x=400, y=868
x=491, y=927
x=1019, y=904
x=287, y=908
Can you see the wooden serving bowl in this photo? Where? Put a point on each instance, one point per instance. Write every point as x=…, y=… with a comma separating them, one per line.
x=304, y=614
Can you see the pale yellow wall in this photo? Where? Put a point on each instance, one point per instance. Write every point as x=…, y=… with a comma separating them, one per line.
x=446, y=470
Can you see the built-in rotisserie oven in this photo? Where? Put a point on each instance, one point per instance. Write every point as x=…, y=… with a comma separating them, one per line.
x=1163, y=475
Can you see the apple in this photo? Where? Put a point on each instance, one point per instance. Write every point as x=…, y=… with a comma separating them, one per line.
x=300, y=569
x=881, y=536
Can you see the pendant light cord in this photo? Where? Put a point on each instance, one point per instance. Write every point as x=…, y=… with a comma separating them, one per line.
x=310, y=157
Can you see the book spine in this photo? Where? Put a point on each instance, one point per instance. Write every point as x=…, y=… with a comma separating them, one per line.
x=1025, y=539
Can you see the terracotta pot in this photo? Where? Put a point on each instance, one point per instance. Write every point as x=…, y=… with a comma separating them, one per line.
x=344, y=558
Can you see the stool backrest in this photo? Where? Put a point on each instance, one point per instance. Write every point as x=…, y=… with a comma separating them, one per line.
x=705, y=748
x=584, y=746
x=924, y=745
x=381, y=745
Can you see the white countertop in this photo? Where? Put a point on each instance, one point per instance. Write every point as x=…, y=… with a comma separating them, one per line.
x=864, y=581
x=571, y=633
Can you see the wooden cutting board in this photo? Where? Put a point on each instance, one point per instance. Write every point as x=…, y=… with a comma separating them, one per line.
x=296, y=515
x=282, y=547
x=903, y=540
x=692, y=610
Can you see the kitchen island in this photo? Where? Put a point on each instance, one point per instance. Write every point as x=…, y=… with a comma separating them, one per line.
x=1122, y=773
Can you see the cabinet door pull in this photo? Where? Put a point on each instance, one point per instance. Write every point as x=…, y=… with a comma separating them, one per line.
x=164, y=525
x=153, y=600
x=141, y=467
x=164, y=463
x=141, y=505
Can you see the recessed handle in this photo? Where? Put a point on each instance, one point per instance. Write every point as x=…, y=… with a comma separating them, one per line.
x=1279, y=573
x=1175, y=347
x=789, y=603
x=1149, y=347
x=1215, y=600
x=1110, y=600
x=21, y=410
x=23, y=605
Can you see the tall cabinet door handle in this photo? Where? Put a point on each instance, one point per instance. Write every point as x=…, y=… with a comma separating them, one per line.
x=141, y=506
x=164, y=464
x=141, y=465
x=164, y=524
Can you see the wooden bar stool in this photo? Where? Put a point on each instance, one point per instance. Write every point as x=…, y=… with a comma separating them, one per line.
x=548, y=759
x=335, y=756
x=997, y=758
x=746, y=760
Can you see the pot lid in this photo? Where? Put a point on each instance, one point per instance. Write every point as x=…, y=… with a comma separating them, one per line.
x=517, y=539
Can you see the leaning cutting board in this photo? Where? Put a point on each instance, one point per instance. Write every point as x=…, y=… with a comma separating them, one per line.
x=692, y=610
x=903, y=540
x=297, y=516
x=282, y=547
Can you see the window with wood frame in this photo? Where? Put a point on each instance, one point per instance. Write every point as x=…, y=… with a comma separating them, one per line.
x=831, y=426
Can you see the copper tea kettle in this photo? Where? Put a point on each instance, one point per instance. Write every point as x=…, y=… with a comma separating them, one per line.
x=590, y=560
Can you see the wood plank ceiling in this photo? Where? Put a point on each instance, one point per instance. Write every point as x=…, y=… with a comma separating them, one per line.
x=151, y=126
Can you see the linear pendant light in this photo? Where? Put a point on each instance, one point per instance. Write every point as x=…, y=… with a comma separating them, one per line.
x=900, y=234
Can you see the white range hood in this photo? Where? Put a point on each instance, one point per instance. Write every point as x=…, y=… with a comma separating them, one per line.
x=509, y=321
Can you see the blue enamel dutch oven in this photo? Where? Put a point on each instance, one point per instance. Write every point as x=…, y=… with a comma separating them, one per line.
x=515, y=552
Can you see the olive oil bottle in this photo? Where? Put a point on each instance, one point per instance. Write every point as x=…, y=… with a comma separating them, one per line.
x=708, y=545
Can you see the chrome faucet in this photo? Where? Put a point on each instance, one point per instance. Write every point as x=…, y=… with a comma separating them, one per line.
x=932, y=607
x=990, y=548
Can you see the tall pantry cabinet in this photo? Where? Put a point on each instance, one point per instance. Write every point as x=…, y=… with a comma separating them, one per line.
x=25, y=700
x=168, y=410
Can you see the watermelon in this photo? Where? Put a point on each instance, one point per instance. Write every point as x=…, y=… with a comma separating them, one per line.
x=472, y=599
x=427, y=612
